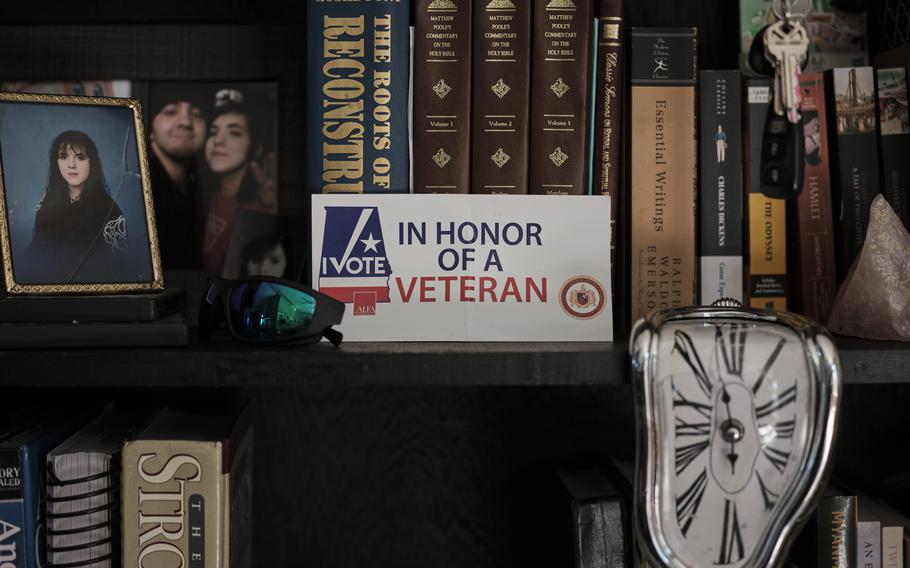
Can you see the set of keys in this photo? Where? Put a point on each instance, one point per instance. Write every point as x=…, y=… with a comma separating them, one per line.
x=780, y=50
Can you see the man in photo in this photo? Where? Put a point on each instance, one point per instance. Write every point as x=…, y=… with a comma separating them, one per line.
x=177, y=133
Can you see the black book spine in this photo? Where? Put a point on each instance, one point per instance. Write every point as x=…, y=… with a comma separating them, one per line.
x=836, y=516
x=721, y=186
x=852, y=130
x=894, y=127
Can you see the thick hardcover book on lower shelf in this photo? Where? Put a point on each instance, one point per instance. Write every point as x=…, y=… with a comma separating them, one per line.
x=721, y=183
x=836, y=518
x=663, y=150
x=186, y=492
x=442, y=96
x=357, y=56
x=22, y=469
x=501, y=67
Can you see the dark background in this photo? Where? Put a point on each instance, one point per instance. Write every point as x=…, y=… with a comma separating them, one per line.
x=352, y=473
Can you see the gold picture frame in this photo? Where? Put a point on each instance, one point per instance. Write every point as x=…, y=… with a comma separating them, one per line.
x=129, y=271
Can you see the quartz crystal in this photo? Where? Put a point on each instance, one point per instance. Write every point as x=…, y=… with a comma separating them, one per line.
x=874, y=300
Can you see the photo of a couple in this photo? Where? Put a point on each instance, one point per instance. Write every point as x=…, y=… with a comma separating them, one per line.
x=212, y=156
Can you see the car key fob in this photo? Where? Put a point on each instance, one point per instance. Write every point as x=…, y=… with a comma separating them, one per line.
x=782, y=157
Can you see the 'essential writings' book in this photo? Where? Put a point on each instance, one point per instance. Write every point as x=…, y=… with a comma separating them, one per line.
x=663, y=265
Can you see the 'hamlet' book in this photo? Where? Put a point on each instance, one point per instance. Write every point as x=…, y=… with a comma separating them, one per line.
x=442, y=101
x=187, y=492
x=663, y=265
x=501, y=58
x=357, y=61
x=894, y=124
x=560, y=49
x=721, y=195
x=766, y=217
x=852, y=132
x=814, y=282
x=610, y=90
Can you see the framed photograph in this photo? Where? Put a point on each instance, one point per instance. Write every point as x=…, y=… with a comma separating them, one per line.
x=213, y=151
x=76, y=212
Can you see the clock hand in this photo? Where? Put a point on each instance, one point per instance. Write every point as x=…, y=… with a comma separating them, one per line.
x=729, y=433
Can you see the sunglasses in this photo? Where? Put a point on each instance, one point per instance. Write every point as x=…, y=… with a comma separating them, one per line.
x=266, y=310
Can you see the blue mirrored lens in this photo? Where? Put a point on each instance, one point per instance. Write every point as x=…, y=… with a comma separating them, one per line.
x=266, y=310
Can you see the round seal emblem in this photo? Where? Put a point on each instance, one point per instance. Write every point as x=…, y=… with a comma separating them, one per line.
x=582, y=297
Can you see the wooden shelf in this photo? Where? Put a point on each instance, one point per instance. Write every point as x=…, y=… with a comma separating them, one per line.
x=227, y=364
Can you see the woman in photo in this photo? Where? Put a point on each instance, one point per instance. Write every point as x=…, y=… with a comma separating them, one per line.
x=78, y=229
x=235, y=154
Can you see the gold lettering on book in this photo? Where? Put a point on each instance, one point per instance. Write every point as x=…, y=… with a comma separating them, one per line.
x=342, y=104
x=162, y=513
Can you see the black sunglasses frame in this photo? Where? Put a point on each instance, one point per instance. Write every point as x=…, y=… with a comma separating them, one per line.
x=328, y=312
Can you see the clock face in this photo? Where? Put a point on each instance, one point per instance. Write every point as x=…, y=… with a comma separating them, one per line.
x=733, y=412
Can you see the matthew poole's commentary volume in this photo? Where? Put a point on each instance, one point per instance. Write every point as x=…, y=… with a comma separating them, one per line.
x=358, y=113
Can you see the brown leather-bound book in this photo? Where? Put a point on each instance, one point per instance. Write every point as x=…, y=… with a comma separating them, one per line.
x=442, y=96
x=610, y=92
x=560, y=52
x=501, y=83
x=815, y=280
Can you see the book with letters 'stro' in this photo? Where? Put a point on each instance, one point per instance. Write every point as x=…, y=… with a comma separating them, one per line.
x=187, y=492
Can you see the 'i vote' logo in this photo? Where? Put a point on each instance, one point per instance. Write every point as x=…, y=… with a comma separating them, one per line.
x=354, y=268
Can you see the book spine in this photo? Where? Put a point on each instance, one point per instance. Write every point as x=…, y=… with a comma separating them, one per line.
x=854, y=157
x=766, y=217
x=442, y=105
x=560, y=53
x=815, y=280
x=893, y=547
x=173, y=508
x=357, y=54
x=609, y=101
x=14, y=537
x=501, y=59
x=663, y=150
x=894, y=127
x=721, y=198
x=869, y=544
x=836, y=516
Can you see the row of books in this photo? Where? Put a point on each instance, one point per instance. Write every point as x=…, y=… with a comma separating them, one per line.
x=126, y=487
x=858, y=532
x=503, y=95
x=528, y=97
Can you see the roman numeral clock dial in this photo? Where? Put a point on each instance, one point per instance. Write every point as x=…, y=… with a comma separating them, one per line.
x=736, y=425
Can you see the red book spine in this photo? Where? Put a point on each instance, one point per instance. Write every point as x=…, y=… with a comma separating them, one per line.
x=816, y=279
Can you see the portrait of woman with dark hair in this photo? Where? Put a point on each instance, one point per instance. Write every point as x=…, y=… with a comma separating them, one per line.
x=78, y=226
x=242, y=167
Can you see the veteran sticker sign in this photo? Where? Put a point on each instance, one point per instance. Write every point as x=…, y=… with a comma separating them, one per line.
x=465, y=267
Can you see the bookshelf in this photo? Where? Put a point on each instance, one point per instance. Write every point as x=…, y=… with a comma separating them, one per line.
x=221, y=364
x=384, y=454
